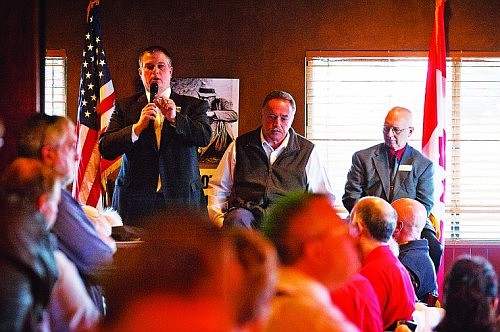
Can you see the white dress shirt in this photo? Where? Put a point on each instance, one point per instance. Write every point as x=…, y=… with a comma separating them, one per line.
x=160, y=118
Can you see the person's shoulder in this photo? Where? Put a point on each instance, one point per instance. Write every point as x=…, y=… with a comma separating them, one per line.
x=299, y=138
x=416, y=153
x=374, y=149
x=249, y=134
x=132, y=98
x=70, y=211
x=360, y=282
x=127, y=102
x=186, y=99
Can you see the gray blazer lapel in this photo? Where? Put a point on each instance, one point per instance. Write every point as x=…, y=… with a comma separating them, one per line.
x=405, y=163
x=382, y=167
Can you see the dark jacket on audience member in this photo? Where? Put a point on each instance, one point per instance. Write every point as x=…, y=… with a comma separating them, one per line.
x=414, y=255
x=28, y=270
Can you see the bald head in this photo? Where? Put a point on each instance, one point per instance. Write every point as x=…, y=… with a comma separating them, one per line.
x=398, y=127
x=401, y=114
x=375, y=217
x=412, y=217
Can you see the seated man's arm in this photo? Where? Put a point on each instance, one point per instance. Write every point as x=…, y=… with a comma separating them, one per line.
x=425, y=188
x=317, y=176
x=220, y=186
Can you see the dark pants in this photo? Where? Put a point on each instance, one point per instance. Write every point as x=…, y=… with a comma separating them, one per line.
x=140, y=213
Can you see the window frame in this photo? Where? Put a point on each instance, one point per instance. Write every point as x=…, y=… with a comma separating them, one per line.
x=56, y=72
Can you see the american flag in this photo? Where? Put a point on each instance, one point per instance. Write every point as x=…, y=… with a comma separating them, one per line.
x=95, y=106
x=434, y=133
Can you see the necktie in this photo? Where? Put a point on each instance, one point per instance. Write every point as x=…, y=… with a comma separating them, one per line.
x=158, y=125
x=394, y=171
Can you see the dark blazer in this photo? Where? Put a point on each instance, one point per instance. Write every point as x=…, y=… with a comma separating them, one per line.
x=176, y=161
x=369, y=175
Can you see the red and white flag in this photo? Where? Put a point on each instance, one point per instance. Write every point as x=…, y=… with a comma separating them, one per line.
x=95, y=106
x=434, y=133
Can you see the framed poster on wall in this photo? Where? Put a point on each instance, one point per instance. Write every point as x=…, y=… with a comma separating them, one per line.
x=223, y=96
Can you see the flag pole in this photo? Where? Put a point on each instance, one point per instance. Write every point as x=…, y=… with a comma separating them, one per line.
x=95, y=106
x=434, y=133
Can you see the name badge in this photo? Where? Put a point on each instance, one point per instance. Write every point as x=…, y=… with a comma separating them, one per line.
x=405, y=168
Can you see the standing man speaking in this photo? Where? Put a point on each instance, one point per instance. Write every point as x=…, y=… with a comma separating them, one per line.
x=158, y=137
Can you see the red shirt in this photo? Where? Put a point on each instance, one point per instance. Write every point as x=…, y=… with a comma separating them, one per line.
x=359, y=303
x=392, y=284
x=398, y=154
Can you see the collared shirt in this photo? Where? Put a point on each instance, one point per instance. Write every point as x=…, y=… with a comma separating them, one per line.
x=273, y=154
x=399, y=154
x=222, y=181
x=159, y=116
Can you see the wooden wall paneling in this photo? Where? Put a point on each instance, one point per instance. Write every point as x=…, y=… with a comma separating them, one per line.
x=22, y=27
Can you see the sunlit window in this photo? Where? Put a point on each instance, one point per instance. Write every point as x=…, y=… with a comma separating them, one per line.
x=55, y=82
x=348, y=96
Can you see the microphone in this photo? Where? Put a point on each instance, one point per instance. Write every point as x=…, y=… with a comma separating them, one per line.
x=153, y=90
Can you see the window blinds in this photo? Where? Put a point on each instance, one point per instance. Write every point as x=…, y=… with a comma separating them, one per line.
x=348, y=96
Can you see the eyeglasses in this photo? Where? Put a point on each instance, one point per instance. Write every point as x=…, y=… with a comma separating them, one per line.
x=396, y=131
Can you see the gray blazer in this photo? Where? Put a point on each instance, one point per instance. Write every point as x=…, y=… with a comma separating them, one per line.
x=369, y=175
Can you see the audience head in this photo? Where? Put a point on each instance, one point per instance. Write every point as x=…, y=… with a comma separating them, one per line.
x=258, y=258
x=155, y=66
x=398, y=126
x=310, y=236
x=470, y=297
x=182, y=278
x=51, y=139
x=30, y=186
x=375, y=218
x=412, y=217
x=278, y=111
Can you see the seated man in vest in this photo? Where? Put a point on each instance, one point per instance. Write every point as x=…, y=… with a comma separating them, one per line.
x=414, y=251
x=262, y=165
